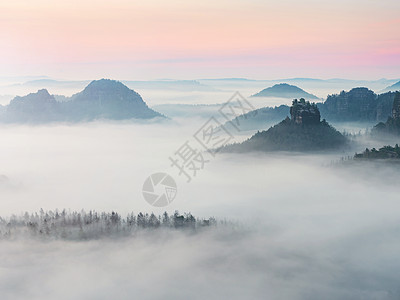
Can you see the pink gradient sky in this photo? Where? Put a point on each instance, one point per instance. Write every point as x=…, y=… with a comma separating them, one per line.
x=192, y=39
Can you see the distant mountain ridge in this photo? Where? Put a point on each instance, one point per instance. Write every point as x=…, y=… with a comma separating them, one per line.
x=101, y=99
x=72, y=86
x=356, y=105
x=284, y=90
x=393, y=88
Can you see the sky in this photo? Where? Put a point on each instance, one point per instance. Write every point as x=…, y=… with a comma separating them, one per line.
x=156, y=39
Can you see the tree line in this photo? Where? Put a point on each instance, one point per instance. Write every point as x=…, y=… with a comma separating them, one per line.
x=88, y=225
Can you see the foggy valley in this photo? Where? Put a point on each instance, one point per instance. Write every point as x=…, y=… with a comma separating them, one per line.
x=299, y=225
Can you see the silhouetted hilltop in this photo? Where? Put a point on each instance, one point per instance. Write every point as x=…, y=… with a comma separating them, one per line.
x=359, y=104
x=304, y=131
x=108, y=99
x=285, y=90
x=101, y=99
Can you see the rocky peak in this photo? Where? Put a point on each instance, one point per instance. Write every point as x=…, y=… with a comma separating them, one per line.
x=32, y=108
x=304, y=112
x=41, y=97
x=43, y=92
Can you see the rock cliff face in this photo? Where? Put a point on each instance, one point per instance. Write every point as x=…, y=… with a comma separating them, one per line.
x=392, y=125
x=302, y=112
x=359, y=104
x=355, y=105
x=384, y=106
x=396, y=107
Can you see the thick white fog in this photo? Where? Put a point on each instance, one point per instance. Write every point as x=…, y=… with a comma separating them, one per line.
x=307, y=227
x=272, y=263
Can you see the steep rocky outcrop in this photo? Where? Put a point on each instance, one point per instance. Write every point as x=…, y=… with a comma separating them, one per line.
x=302, y=112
